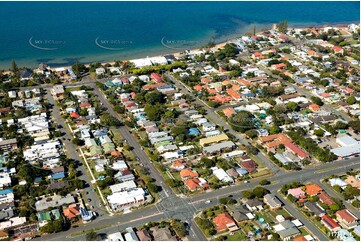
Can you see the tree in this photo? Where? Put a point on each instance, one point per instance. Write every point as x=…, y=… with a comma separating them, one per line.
x=317, y=100
x=78, y=142
x=179, y=228
x=351, y=100
x=355, y=125
x=227, y=200
x=108, y=120
x=275, y=129
x=282, y=26
x=92, y=236
x=292, y=106
x=318, y=132
x=154, y=112
x=14, y=67
x=247, y=194
x=152, y=187
x=334, y=207
x=154, y=97
x=259, y=192
x=250, y=149
x=242, y=121
x=252, y=133
x=280, y=108
x=78, y=69
x=264, y=182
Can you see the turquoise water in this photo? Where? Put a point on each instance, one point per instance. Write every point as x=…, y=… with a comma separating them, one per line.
x=60, y=33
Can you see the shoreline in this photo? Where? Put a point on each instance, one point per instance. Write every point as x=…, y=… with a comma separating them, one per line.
x=217, y=45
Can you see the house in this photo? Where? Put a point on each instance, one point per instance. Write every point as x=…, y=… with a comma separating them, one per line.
x=57, y=91
x=143, y=235
x=215, y=139
x=329, y=223
x=115, y=237
x=316, y=209
x=314, y=107
x=325, y=198
x=221, y=174
x=346, y=219
x=351, y=180
x=120, y=200
x=232, y=172
x=240, y=214
x=26, y=74
x=337, y=49
x=130, y=235
x=178, y=165
x=254, y=205
x=337, y=182
x=194, y=184
x=296, y=192
x=249, y=165
x=272, y=201
x=286, y=229
x=279, y=67
x=228, y=112
x=71, y=212
x=225, y=221
x=313, y=189
x=156, y=77
x=188, y=173
x=100, y=71
x=219, y=147
x=8, y=144
x=162, y=234
x=344, y=235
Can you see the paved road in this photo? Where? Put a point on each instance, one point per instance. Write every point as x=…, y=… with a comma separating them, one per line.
x=73, y=154
x=197, y=203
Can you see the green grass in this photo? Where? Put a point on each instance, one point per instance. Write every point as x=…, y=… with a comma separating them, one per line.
x=304, y=232
x=237, y=236
x=265, y=216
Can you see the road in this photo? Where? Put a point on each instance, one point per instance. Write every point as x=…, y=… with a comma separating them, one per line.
x=73, y=154
x=184, y=208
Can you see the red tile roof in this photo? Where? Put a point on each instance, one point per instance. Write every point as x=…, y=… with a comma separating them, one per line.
x=222, y=220
x=329, y=222
x=228, y=112
x=235, y=95
x=188, y=173
x=325, y=198
x=313, y=189
x=297, y=150
x=71, y=212
x=156, y=77
x=74, y=115
x=346, y=216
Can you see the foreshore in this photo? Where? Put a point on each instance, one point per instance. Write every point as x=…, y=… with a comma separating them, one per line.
x=216, y=46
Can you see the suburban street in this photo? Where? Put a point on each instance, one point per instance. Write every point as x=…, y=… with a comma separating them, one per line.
x=184, y=208
x=72, y=153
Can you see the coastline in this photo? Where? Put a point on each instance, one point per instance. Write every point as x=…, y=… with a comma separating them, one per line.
x=217, y=45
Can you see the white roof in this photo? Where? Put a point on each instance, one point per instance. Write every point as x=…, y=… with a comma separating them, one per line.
x=346, y=140
x=126, y=196
x=297, y=222
x=15, y=221
x=347, y=150
x=221, y=174
x=115, y=237
x=122, y=186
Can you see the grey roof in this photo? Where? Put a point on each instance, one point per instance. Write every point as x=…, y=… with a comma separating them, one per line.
x=218, y=147
x=288, y=232
x=254, y=202
x=313, y=207
x=8, y=141
x=239, y=213
x=6, y=214
x=272, y=200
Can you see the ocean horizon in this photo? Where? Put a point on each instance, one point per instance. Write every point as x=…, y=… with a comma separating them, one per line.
x=62, y=33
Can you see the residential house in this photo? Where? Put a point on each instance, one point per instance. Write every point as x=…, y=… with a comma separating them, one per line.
x=188, y=173
x=254, y=204
x=315, y=208
x=8, y=144
x=329, y=223
x=296, y=192
x=249, y=165
x=240, y=214
x=346, y=219
x=287, y=229
x=225, y=221
x=272, y=201
x=325, y=198
x=221, y=174
x=194, y=184
x=162, y=234
x=313, y=189
x=143, y=235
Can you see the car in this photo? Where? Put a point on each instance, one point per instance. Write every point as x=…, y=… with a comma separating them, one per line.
x=246, y=181
x=208, y=201
x=91, y=207
x=230, y=195
x=100, y=204
x=87, y=192
x=89, y=200
x=137, y=158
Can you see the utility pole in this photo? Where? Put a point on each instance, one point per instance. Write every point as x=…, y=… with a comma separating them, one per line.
x=254, y=29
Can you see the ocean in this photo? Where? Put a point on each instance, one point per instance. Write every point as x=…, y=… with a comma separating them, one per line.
x=61, y=33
